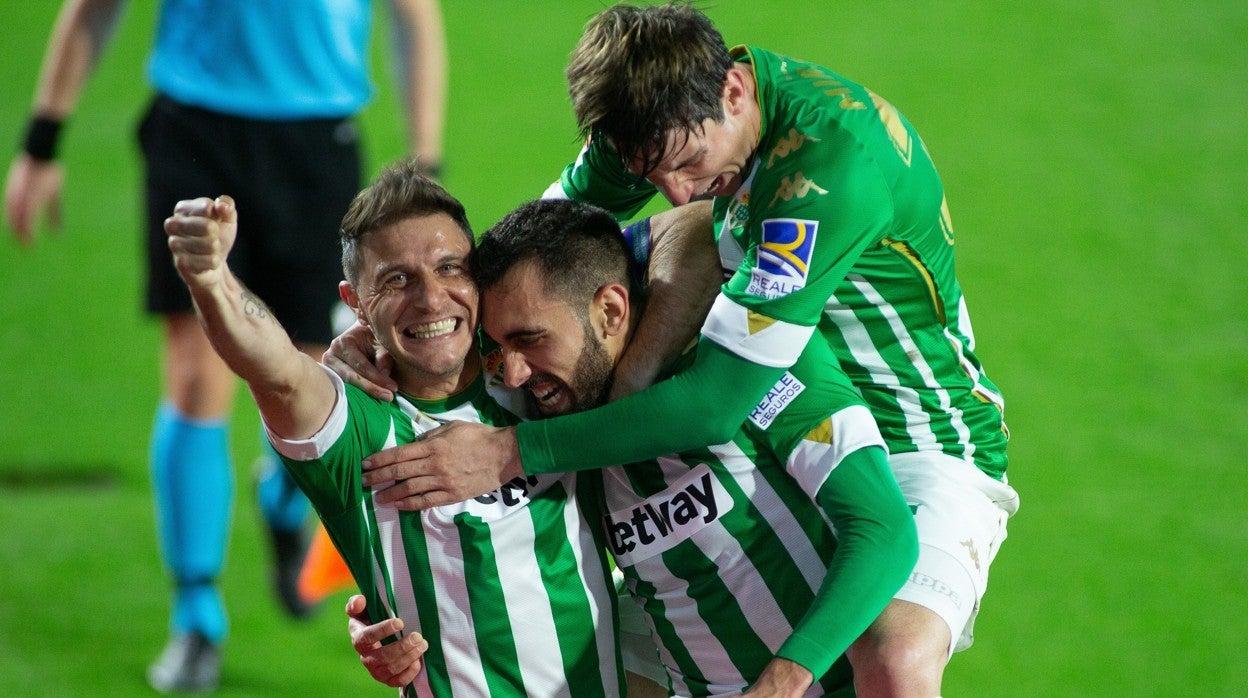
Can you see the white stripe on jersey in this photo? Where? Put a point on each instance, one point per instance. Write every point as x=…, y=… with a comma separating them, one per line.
x=458, y=637
x=916, y=359
x=738, y=579
x=964, y=326
x=682, y=612
x=760, y=608
x=390, y=535
x=773, y=510
x=599, y=589
x=532, y=624
x=918, y=422
x=964, y=323
x=718, y=544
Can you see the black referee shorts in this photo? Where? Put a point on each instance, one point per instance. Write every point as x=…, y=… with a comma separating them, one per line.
x=292, y=182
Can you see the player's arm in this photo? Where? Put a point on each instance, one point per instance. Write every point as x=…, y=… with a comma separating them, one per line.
x=420, y=59
x=757, y=327
x=704, y=404
x=35, y=179
x=682, y=279
x=598, y=177
x=293, y=392
x=751, y=336
x=876, y=549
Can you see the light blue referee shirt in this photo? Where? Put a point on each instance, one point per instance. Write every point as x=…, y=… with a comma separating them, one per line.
x=264, y=59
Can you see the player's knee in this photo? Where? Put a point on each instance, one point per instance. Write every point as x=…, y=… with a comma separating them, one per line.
x=897, y=664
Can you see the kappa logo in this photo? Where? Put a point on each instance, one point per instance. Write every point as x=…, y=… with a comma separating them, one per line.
x=783, y=257
x=668, y=518
x=789, y=144
x=795, y=187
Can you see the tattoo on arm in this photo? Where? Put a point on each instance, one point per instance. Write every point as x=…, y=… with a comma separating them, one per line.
x=252, y=305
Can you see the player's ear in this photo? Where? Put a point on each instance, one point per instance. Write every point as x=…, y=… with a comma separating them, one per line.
x=611, y=305
x=348, y=295
x=735, y=91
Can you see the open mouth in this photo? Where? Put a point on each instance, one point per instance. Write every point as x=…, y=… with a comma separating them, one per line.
x=431, y=330
x=714, y=186
x=713, y=189
x=547, y=393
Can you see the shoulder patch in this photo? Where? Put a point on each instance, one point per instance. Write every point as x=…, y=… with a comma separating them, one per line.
x=784, y=256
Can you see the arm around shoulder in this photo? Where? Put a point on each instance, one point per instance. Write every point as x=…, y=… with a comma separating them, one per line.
x=682, y=279
x=705, y=404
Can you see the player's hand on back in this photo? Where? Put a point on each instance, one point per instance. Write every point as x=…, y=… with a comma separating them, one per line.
x=201, y=232
x=395, y=664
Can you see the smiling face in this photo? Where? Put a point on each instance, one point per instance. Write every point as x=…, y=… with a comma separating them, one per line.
x=549, y=349
x=416, y=294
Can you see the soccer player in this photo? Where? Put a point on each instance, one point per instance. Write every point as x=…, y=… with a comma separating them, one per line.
x=728, y=548
x=253, y=97
x=511, y=588
x=832, y=223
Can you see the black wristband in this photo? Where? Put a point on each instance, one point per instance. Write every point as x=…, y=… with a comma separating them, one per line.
x=42, y=135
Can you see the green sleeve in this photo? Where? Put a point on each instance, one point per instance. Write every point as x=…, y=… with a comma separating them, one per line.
x=705, y=404
x=598, y=177
x=877, y=547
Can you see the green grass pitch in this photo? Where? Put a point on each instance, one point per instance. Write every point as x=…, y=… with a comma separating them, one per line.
x=1094, y=155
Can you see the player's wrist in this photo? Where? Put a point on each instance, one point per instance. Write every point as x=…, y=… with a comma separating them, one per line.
x=782, y=677
x=509, y=444
x=43, y=135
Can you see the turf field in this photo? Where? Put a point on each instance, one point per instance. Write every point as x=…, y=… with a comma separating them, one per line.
x=1094, y=157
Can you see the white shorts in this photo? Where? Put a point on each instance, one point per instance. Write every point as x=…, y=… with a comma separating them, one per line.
x=960, y=513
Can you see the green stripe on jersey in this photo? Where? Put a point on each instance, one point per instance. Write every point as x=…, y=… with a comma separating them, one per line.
x=724, y=600
x=509, y=588
x=488, y=606
x=841, y=222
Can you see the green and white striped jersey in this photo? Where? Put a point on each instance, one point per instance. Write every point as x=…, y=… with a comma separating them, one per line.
x=511, y=589
x=840, y=231
x=728, y=549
